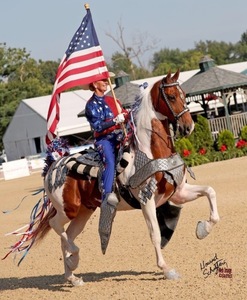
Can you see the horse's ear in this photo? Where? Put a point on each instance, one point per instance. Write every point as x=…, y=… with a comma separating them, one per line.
x=176, y=75
x=168, y=76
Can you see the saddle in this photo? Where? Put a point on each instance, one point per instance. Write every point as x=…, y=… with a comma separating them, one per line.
x=89, y=163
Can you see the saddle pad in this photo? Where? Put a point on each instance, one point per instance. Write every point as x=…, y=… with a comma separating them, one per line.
x=84, y=163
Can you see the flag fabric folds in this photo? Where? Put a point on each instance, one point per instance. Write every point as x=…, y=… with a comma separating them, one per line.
x=83, y=63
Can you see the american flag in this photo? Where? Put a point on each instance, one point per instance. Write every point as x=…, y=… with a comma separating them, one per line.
x=83, y=63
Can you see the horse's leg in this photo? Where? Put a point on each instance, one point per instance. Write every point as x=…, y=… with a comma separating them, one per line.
x=187, y=192
x=71, y=259
x=149, y=212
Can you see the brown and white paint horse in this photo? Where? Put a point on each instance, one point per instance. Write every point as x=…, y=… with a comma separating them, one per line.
x=76, y=200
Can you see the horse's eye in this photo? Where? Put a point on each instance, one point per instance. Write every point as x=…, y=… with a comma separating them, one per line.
x=171, y=97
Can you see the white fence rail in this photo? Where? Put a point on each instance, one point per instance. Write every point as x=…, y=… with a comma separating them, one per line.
x=236, y=122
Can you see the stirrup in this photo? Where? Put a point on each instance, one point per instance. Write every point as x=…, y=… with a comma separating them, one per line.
x=108, y=210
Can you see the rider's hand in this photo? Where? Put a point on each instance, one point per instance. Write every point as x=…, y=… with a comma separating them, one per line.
x=119, y=119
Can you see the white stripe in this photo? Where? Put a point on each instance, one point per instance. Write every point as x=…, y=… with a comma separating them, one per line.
x=85, y=51
x=53, y=112
x=49, y=135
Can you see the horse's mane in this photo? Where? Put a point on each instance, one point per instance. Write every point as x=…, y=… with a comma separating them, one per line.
x=143, y=118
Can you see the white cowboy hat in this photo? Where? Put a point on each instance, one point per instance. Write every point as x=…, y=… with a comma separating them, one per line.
x=86, y=86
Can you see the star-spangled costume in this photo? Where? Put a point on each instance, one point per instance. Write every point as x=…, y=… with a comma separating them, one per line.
x=100, y=113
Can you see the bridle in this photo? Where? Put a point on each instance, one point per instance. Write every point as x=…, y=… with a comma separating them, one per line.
x=162, y=87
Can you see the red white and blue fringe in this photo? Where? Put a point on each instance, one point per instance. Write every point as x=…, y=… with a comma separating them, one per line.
x=58, y=148
x=29, y=236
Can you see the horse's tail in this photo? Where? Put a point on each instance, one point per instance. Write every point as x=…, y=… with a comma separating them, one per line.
x=36, y=230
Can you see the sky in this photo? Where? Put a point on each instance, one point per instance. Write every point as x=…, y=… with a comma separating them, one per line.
x=46, y=27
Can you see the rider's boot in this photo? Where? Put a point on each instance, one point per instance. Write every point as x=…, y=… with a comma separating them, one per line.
x=107, y=213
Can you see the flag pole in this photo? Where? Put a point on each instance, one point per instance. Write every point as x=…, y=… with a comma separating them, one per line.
x=117, y=106
x=86, y=5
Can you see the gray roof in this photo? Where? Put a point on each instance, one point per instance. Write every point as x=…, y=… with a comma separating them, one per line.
x=126, y=93
x=212, y=80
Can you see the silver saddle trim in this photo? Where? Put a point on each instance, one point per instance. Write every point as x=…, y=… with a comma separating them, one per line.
x=153, y=166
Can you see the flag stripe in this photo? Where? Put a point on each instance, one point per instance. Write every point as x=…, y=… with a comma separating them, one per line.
x=73, y=75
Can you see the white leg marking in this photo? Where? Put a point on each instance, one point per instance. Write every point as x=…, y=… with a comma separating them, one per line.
x=149, y=212
x=187, y=193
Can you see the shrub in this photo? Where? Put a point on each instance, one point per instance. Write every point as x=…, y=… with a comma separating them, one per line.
x=196, y=159
x=187, y=151
x=243, y=133
x=225, y=140
x=184, y=147
x=199, y=148
x=201, y=137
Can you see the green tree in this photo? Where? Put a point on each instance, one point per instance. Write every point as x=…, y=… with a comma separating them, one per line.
x=243, y=39
x=21, y=77
x=191, y=59
x=241, y=48
x=48, y=70
x=166, y=60
x=120, y=63
x=171, y=60
x=11, y=59
x=221, y=52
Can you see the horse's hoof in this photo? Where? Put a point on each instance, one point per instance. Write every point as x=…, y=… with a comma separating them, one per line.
x=76, y=281
x=201, y=230
x=172, y=275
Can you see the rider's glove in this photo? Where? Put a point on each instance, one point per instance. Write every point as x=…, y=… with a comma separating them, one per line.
x=119, y=119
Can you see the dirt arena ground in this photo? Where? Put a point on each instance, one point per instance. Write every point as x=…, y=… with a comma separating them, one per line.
x=128, y=270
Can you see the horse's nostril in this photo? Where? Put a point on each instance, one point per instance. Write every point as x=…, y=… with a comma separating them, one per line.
x=185, y=130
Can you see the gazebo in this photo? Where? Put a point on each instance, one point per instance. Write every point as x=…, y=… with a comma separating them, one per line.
x=214, y=83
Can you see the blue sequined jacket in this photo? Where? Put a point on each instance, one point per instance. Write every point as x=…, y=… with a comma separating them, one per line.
x=100, y=112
